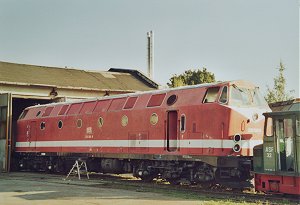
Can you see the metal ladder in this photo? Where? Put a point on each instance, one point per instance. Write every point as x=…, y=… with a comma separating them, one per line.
x=78, y=166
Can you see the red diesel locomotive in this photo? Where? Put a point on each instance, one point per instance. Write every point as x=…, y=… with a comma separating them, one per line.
x=202, y=133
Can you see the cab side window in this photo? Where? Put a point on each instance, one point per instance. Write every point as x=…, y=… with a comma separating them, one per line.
x=223, y=97
x=211, y=95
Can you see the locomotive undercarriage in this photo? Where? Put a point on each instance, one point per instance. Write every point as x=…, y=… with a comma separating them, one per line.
x=233, y=173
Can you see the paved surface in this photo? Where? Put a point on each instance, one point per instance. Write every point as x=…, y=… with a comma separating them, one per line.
x=36, y=189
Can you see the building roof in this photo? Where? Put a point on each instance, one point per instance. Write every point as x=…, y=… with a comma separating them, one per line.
x=116, y=79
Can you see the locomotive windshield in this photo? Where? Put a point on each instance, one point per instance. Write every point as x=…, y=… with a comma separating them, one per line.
x=243, y=97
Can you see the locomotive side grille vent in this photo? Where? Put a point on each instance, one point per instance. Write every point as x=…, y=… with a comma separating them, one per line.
x=194, y=127
x=63, y=110
x=156, y=100
x=48, y=111
x=102, y=105
x=74, y=109
x=88, y=107
x=130, y=103
x=117, y=104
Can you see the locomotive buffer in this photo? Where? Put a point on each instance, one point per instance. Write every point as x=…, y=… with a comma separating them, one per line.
x=78, y=166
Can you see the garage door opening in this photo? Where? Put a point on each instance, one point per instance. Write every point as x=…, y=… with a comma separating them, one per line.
x=17, y=107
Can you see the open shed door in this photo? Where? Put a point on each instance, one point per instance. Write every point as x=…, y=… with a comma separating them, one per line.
x=5, y=131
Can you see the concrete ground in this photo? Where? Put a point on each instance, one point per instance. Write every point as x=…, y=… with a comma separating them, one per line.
x=36, y=189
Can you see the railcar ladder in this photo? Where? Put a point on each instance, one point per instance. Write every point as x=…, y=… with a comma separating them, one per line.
x=78, y=167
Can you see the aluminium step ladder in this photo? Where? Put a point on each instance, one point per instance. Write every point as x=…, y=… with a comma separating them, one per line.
x=79, y=167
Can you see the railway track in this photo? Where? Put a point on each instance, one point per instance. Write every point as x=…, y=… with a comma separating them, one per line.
x=159, y=186
x=213, y=192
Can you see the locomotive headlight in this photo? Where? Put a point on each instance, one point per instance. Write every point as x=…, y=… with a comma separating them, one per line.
x=236, y=148
x=255, y=116
x=237, y=138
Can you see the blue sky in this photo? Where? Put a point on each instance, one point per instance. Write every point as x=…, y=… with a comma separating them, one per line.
x=234, y=39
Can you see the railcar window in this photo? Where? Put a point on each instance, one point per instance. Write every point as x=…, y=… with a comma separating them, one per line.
x=100, y=121
x=24, y=113
x=60, y=124
x=38, y=113
x=182, y=123
x=79, y=123
x=124, y=121
x=172, y=99
x=211, y=95
x=269, y=127
x=223, y=97
x=258, y=99
x=43, y=125
x=240, y=96
x=154, y=119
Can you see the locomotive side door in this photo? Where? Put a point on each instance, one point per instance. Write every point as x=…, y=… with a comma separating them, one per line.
x=172, y=131
x=31, y=131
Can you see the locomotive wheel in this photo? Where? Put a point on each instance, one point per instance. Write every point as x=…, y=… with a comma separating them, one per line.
x=148, y=178
x=204, y=174
x=174, y=181
x=207, y=185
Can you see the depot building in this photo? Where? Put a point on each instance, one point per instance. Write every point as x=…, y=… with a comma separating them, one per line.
x=22, y=86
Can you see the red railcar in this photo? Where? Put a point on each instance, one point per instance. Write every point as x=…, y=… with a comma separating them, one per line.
x=202, y=133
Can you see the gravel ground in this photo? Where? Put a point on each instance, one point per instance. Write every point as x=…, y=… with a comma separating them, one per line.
x=38, y=188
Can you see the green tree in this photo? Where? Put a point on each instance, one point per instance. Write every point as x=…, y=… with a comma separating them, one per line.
x=278, y=92
x=191, y=77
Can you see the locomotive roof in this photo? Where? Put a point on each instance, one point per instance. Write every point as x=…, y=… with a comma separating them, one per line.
x=292, y=108
x=151, y=92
